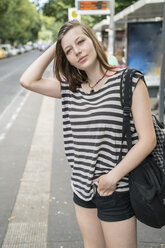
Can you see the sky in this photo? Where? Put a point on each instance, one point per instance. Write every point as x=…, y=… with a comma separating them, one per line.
x=43, y=1
x=40, y=1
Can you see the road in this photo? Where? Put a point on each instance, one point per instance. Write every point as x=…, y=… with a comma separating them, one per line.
x=36, y=209
x=28, y=204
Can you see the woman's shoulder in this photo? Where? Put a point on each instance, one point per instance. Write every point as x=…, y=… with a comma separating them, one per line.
x=64, y=84
x=134, y=73
x=65, y=91
x=118, y=71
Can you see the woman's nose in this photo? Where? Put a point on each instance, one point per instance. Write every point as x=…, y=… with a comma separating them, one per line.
x=77, y=50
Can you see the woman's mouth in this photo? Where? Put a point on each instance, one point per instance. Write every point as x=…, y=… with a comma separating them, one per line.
x=82, y=59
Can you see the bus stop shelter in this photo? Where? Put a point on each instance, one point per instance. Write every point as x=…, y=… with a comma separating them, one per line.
x=142, y=11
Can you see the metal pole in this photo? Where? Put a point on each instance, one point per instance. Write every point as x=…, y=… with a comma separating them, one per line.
x=111, y=28
x=162, y=79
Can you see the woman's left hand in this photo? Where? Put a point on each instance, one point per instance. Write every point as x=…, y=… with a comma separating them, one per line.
x=106, y=184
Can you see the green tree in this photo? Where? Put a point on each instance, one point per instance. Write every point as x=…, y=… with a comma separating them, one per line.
x=120, y=4
x=49, y=29
x=4, y=5
x=20, y=22
x=59, y=10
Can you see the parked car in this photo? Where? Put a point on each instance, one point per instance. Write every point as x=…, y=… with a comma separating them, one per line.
x=35, y=45
x=27, y=48
x=10, y=50
x=7, y=48
x=15, y=51
x=43, y=46
x=2, y=53
x=21, y=49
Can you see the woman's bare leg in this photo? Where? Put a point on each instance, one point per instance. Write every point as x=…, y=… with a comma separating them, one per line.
x=90, y=227
x=121, y=234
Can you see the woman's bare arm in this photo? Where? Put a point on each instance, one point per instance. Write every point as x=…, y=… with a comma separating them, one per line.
x=142, y=116
x=146, y=142
x=32, y=77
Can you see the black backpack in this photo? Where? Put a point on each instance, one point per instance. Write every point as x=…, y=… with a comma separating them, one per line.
x=147, y=180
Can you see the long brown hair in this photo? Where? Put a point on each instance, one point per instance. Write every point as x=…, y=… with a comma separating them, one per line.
x=63, y=69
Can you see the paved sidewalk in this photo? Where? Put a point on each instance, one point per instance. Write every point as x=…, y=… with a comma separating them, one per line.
x=43, y=215
x=29, y=220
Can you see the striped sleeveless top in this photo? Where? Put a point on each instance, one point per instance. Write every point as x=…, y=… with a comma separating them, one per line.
x=92, y=129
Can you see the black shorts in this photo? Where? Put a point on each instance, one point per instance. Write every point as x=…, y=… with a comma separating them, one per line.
x=116, y=207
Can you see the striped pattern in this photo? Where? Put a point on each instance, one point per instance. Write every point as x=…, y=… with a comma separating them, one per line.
x=92, y=126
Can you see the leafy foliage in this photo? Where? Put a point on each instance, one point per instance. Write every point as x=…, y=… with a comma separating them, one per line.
x=120, y=4
x=49, y=29
x=4, y=5
x=20, y=21
x=59, y=10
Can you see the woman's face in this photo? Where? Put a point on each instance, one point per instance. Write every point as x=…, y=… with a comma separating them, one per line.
x=79, y=49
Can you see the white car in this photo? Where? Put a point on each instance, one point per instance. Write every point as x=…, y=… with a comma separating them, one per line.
x=21, y=49
x=14, y=50
x=27, y=48
x=10, y=50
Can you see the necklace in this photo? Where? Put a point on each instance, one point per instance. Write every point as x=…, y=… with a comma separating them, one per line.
x=92, y=87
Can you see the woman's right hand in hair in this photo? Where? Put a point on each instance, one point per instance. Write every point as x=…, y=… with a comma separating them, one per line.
x=32, y=79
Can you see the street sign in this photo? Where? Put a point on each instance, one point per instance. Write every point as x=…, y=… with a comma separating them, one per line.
x=72, y=14
x=92, y=7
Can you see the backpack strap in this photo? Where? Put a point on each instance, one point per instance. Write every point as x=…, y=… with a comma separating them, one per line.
x=126, y=101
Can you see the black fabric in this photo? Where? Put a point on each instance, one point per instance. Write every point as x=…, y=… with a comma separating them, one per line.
x=147, y=180
x=112, y=208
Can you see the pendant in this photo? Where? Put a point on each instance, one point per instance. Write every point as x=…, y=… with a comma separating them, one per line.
x=92, y=91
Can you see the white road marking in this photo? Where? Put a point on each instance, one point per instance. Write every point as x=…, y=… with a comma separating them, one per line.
x=11, y=103
x=14, y=116
x=2, y=136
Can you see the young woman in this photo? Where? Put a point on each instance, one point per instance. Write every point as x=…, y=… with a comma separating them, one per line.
x=92, y=122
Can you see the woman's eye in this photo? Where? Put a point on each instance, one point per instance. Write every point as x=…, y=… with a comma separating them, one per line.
x=80, y=42
x=68, y=51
